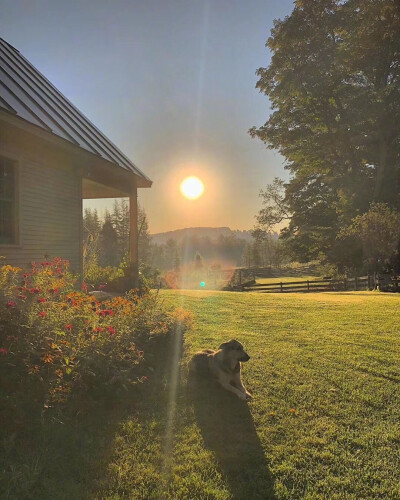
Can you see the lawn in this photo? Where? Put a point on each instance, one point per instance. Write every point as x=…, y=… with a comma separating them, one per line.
x=324, y=421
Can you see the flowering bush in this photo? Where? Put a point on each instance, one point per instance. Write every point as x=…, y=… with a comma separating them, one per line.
x=70, y=342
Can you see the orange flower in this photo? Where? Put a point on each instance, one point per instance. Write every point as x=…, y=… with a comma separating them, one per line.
x=292, y=411
x=47, y=358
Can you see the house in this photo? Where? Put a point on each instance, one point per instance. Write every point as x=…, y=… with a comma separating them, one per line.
x=51, y=158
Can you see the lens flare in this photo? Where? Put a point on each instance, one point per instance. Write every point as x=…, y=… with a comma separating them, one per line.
x=192, y=188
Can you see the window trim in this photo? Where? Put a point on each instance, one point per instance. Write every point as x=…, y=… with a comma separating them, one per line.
x=15, y=163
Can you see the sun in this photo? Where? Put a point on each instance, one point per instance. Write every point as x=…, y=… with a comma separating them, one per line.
x=192, y=188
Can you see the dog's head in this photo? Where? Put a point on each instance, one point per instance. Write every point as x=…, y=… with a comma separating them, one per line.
x=234, y=350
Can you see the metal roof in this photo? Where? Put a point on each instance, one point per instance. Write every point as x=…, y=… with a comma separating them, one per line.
x=26, y=93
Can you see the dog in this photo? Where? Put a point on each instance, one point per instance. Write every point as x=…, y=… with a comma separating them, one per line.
x=223, y=365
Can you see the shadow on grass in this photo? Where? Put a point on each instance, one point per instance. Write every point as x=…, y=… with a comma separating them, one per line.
x=228, y=430
x=56, y=454
x=65, y=453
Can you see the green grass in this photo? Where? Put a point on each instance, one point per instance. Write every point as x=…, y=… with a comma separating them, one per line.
x=332, y=357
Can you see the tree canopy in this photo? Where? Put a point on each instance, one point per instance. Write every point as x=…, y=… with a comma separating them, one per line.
x=334, y=87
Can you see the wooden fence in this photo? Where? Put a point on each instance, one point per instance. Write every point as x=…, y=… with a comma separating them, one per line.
x=319, y=285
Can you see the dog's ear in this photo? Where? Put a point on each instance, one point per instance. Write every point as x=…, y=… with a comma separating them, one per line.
x=226, y=345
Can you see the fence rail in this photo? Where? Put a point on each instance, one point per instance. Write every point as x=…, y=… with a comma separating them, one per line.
x=323, y=285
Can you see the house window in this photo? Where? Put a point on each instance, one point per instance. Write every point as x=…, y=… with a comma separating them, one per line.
x=8, y=197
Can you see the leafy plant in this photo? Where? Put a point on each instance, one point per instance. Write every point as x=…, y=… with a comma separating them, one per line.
x=67, y=341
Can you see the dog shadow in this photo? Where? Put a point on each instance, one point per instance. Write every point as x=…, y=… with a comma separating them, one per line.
x=228, y=430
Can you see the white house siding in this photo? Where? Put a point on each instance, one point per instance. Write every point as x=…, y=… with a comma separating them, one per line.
x=50, y=215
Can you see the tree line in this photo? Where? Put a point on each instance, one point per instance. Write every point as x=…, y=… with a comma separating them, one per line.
x=106, y=244
x=334, y=87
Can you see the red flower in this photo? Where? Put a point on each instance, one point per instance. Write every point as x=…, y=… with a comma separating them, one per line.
x=53, y=290
x=10, y=303
x=3, y=351
x=68, y=327
x=35, y=290
x=106, y=312
x=98, y=329
x=42, y=314
x=101, y=287
x=20, y=296
x=84, y=287
x=41, y=300
x=111, y=330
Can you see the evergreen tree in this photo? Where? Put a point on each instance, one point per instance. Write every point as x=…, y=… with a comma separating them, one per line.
x=144, y=238
x=109, y=254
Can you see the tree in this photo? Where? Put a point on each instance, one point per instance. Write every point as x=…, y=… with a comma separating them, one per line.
x=109, y=255
x=144, y=238
x=91, y=224
x=120, y=221
x=376, y=233
x=334, y=86
x=91, y=234
x=274, y=208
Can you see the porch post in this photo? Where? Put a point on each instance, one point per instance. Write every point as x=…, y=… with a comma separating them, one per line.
x=133, y=237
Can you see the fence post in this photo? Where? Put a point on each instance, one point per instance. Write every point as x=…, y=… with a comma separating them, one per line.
x=345, y=284
x=355, y=283
x=308, y=285
x=240, y=277
x=369, y=281
x=281, y=287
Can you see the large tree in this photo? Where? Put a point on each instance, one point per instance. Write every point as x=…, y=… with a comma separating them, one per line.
x=334, y=88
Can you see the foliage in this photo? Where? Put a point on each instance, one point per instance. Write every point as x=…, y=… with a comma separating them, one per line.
x=69, y=342
x=274, y=208
x=109, y=254
x=375, y=235
x=333, y=83
x=106, y=240
x=99, y=277
x=266, y=250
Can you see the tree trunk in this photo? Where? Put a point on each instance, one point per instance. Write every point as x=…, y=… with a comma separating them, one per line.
x=381, y=169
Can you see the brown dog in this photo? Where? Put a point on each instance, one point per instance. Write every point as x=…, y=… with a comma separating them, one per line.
x=223, y=365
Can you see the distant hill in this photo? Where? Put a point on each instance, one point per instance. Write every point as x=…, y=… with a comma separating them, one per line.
x=201, y=232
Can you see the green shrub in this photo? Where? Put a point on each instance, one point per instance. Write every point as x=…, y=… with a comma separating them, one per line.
x=96, y=276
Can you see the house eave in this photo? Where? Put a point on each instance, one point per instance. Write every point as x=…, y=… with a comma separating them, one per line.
x=94, y=167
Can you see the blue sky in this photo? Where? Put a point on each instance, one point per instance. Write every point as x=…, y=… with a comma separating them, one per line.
x=172, y=84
